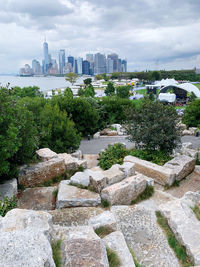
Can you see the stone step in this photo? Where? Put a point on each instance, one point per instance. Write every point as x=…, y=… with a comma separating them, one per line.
x=184, y=223
x=144, y=236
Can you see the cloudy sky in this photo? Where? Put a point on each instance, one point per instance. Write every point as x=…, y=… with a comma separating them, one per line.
x=151, y=34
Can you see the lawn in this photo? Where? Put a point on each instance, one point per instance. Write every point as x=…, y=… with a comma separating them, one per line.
x=197, y=85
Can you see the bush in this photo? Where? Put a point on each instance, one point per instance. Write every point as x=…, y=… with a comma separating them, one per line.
x=152, y=126
x=56, y=249
x=7, y=204
x=123, y=91
x=113, y=258
x=114, y=154
x=110, y=89
x=191, y=115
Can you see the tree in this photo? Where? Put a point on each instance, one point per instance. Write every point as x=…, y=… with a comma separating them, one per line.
x=68, y=92
x=123, y=91
x=191, y=115
x=30, y=91
x=89, y=91
x=87, y=81
x=71, y=77
x=105, y=77
x=152, y=126
x=98, y=77
x=110, y=89
x=156, y=75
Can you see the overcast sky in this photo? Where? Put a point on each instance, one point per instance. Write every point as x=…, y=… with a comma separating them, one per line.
x=151, y=34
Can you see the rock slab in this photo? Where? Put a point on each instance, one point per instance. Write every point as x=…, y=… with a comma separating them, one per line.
x=45, y=154
x=105, y=219
x=114, y=175
x=8, y=189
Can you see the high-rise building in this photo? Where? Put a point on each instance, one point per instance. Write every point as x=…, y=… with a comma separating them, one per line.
x=114, y=57
x=71, y=61
x=79, y=65
x=124, y=65
x=119, y=65
x=61, y=60
x=109, y=65
x=36, y=67
x=99, y=63
x=75, y=66
x=46, y=56
x=90, y=57
x=86, y=67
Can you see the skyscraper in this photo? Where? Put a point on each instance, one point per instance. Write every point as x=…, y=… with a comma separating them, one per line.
x=99, y=63
x=86, y=67
x=79, y=65
x=46, y=56
x=90, y=57
x=71, y=61
x=124, y=65
x=61, y=60
x=36, y=67
x=114, y=57
x=109, y=65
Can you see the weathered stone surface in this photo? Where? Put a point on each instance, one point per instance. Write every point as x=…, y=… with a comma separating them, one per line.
x=116, y=242
x=8, y=188
x=181, y=165
x=187, y=145
x=128, y=168
x=77, y=154
x=71, y=196
x=111, y=133
x=124, y=192
x=184, y=223
x=97, y=180
x=160, y=174
x=38, y=198
x=105, y=219
x=81, y=247
x=144, y=236
x=187, y=132
x=197, y=169
x=189, y=152
x=41, y=172
x=25, y=239
x=81, y=178
x=114, y=175
x=25, y=248
x=92, y=160
x=74, y=216
x=45, y=154
x=183, y=126
x=96, y=135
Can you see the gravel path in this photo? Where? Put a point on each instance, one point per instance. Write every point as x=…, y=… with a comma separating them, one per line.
x=94, y=146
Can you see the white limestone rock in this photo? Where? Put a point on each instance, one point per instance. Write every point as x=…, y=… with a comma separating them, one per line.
x=117, y=243
x=128, y=168
x=96, y=135
x=105, y=219
x=114, y=175
x=81, y=178
x=45, y=154
x=77, y=154
x=72, y=163
x=97, y=180
x=8, y=188
x=187, y=145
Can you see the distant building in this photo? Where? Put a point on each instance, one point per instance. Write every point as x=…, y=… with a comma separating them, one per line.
x=124, y=65
x=61, y=60
x=119, y=65
x=99, y=64
x=67, y=68
x=90, y=57
x=79, y=65
x=46, y=57
x=36, y=67
x=114, y=57
x=70, y=60
x=109, y=65
x=26, y=71
x=86, y=67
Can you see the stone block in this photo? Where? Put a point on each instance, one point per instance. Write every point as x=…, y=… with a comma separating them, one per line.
x=105, y=219
x=45, y=154
x=80, y=178
x=8, y=188
x=128, y=168
x=96, y=135
x=77, y=154
x=97, y=180
x=114, y=175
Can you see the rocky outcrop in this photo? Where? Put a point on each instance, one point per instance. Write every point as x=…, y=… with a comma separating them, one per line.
x=96, y=135
x=72, y=163
x=81, y=178
x=128, y=168
x=38, y=198
x=124, y=192
x=77, y=154
x=46, y=154
x=114, y=175
x=117, y=243
x=39, y=173
x=160, y=174
x=184, y=223
x=81, y=247
x=182, y=166
x=8, y=189
x=105, y=219
x=71, y=196
x=144, y=236
x=97, y=181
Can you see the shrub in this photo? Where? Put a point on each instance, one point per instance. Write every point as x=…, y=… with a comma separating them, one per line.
x=7, y=204
x=123, y=91
x=113, y=258
x=110, y=89
x=191, y=115
x=114, y=154
x=56, y=248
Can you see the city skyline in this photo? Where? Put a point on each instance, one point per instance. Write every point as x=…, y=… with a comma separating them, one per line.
x=151, y=34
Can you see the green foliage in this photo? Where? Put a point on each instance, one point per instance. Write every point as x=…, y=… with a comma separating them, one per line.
x=81, y=91
x=197, y=160
x=123, y=91
x=7, y=204
x=89, y=91
x=30, y=91
x=114, y=154
x=71, y=77
x=56, y=249
x=152, y=126
x=134, y=258
x=55, y=193
x=113, y=258
x=102, y=231
x=98, y=77
x=156, y=75
x=179, y=250
x=110, y=89
x=87, y=81
x=105, y=203
x=68, y=93
x=196, y=211
x=146, y=194
x=191, y=115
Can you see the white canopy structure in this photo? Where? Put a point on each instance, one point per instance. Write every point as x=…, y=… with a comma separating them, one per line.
x=184, y=86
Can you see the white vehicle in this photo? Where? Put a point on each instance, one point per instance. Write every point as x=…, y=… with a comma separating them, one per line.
x=167, y=97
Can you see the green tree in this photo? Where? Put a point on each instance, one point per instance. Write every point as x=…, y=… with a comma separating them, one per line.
x=191, y=115
x=89, y=91
x=110, y=89
x=153, y=126
x=68, y=92
x=156, y=75
x=87, y=81
x=30, y=91
x=98, y=77
x=123, y=91
x=71, y=77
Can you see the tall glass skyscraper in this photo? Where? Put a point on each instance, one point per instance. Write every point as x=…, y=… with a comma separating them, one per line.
x=61, y=60
x=46, y=56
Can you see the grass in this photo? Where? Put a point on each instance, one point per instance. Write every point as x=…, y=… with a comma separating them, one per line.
x=197, y=85
x=146, y=194
x=7, y=204
x=56, y=248
x=175, y=184
x=196, y=211
x=79, y=186
x=179, y=250
x=103, y=231
x=141, y=91
x=134, y=258
x=55, y=193
x=105, y=203
x=113, y=258
x=197, y=160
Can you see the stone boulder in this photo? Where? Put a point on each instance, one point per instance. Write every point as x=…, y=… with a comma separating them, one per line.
x=38, y=198
x=81, y=178
x=97, y=180
x=71, y=196
x=182, y=166
x=160, y=174
x=39, y=173
x=114, y=175
x=187, y=132
x=128, y=168
x=72, y=163
x=190, y=152
x=105, y=219
x=187, y=145
x=117, y=243
x=124, y=192
x=8, y=189
x=77, y=154
x=81, y=247
x=197, y=169
x=96, y=135
x=45, y=154
x=112, y=133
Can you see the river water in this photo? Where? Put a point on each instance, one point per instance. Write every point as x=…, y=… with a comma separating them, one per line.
x=44, y=83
